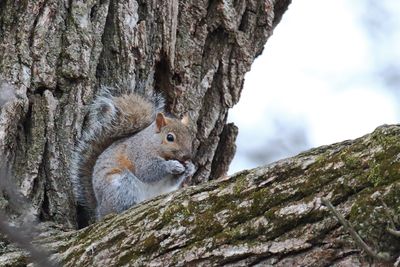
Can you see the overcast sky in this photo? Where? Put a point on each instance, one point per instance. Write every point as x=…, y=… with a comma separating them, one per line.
x=328, y=73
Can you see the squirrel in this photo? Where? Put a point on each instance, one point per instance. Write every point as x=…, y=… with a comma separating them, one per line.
x=130, y=152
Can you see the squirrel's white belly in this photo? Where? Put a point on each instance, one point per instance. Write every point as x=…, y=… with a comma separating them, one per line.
x=164, y=186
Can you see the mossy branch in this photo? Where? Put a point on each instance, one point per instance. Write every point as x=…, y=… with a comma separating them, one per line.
x=272, y=214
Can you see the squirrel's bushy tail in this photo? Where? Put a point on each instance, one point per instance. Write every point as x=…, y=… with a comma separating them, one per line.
x=110, y=118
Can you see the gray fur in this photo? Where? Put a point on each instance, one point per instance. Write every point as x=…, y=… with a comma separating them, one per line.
x=125, y=123
x=153, y=175
x=103, y=128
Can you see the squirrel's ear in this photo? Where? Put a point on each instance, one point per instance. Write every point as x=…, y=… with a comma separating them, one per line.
x=160, y=121
x=185, y=119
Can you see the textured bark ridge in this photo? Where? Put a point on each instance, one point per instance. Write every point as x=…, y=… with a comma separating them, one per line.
x=55, y=54
x=271, y=215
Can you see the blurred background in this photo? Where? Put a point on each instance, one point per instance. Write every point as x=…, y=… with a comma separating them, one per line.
x=330, y=72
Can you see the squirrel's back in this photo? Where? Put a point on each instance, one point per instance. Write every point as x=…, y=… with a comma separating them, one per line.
x=110, y=118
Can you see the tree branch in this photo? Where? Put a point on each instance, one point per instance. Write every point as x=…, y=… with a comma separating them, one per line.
x=269, y=215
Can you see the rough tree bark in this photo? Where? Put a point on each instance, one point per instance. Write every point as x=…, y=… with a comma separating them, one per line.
x=271, y=215
x=55, y=54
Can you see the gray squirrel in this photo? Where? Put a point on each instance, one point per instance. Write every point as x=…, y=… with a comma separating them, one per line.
x=131, y=152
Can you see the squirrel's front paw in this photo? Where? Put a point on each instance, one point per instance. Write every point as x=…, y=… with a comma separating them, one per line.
x=174, y=167
x=189, y=168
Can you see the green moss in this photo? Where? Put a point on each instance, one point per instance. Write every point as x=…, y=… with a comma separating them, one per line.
x=318, y=179
x=374, y=176
x=239, y=215
x=278, y=225
x=127, y=258
x=262, y=200
x=240, y=184
x=387, y=139
x=392, y=198
x=385, y=169
x=150, y=244
x=174, y=212
x=351, y=162
x=370, y=220
x=345, y=187
x=320, y=159
x=237, y=234
x=228, y=236
x=322, y=172
x=206, y=225
x=259, y=200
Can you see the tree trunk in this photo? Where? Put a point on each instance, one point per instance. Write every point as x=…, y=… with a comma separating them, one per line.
x=271, y=215
x=55, y=55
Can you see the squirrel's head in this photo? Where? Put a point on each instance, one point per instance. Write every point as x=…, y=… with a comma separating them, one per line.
x=176, y=139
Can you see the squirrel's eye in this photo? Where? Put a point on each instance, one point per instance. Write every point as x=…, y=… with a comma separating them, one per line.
x=170, y=137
